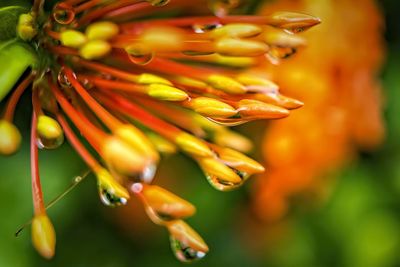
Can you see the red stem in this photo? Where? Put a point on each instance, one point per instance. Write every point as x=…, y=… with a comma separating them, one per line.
x=16, y=95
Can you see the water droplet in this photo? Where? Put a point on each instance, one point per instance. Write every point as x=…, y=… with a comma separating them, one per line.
x=221, y=184
x=139, y=54
x=202, y=28
x=63, y=13
x=62, y=79
x=277, y=53
x=230, y=121
x=184, y=252
x=109, y=198
x=45, y=143
x=298, y=29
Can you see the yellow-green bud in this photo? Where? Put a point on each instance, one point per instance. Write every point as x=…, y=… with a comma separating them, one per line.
x=102, y=30
x=95, y=49
x=72, y=38
x=10, y=138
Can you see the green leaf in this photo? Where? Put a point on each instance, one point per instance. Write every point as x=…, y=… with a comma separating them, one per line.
x=9, y=20
x=15, y=58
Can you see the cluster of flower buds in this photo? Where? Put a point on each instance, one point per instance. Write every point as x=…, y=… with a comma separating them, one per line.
x=137, y=88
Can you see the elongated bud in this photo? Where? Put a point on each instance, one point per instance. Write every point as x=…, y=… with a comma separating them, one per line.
x=190, y=82
x=122, y=158
x=290, y=103
x=43, y=236
x=72, y=38
x=292, y=21
x=161, y=144
x=219, y=170
x=166, y=92
x=250, y=108
x=147, y=78
x=225, y=84
x=241, y=48
x=166, y=205
x=110, y=191
x=211, y=107
x=241, y=62
x=239, y=161
x=193, y=145
x=95, y=49
x=162, y=39
x=185, y=242
x=10, y=138
x=26, y=28
x=257, y=84
x=138, y=140
x=280, y=38
x=102, y=30
x=231, y=139
x=236, y=30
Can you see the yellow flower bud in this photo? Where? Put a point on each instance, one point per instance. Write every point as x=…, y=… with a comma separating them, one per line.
x=211, y=107
x=166, y=92
x=292, y=21
x=193, y=145
x=72, y=38
x=26, y=28
x=102, y=30
x=162, y=145
x=215, y=168
x=111, y=192
x=231, y=139
x=43, y=236
x=95, y=49
x=225, y=84
x=10, y=138
x=48, y=127
x=147, y=78
x=182, y=232
x=240, y=48
x=236, y=30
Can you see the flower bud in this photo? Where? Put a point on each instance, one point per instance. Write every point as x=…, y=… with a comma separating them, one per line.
x=255, y=108
x=26, y=27
x=147, y=78
x=166, y=92
x=102, y=30
x=10, y=138
x=292, y=21
x=43, y=236
x=161, y=144
x=211, y=107
x=95, y=49
x=236, y=30
x=240, y=48
x=193, y=145
x=110, y=191
x=223, y=173
x=48, y=128
x=225, y=84
x=72, y=38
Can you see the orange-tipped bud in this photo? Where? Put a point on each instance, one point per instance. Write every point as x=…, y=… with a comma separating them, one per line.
x=137, y=140
x=102, y=30
x=95, y=49
x=290, y=103
x=166, y=205
x=111, y=192
x=10, y=138
x=166, y=92
x=193, y=145
x=236, y=30
x=219, y=171
x=225, y=84
x=255, y=108
x=122, y=158
x=292, y=21
x=147, y=78
x=211, y=107
x=241, y=48
x=186, y=243
x=43, y=236
x=239, y=161
x=72, y=38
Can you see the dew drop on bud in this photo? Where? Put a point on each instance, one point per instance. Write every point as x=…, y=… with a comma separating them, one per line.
x=220, y=184
x=229, y=122
x=108, y=198
x=63, y=13
x=139, y=54
x=62, y=79
x=277, y=53
x=185, y=253
x=52, y=143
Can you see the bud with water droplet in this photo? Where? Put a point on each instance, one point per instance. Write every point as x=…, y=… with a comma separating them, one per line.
x=111, y=192
x=50, y=133
x=292, y=21
x=162, y=205
x=10, y=138
x=43, y=236
x=186, y=243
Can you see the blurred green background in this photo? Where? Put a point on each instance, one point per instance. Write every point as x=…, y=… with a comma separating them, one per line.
x=359, y=226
